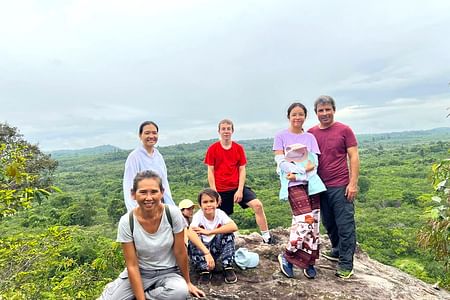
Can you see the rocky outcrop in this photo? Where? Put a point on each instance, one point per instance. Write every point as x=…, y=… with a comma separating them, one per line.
x=372, y=280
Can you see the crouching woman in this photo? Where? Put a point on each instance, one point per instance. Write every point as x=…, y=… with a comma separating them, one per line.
x=153, y=247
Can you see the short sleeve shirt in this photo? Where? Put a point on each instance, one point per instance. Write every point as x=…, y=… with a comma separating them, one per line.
x=226, y=163
x=199, y=220
x=333, y=143
x=154, y=250
x=286, y=138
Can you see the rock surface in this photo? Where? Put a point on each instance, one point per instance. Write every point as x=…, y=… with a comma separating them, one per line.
x=372, y=280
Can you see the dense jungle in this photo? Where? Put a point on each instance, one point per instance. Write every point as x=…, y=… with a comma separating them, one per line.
x=62, y=245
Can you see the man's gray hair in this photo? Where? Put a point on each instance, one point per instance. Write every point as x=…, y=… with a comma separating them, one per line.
x=324, y=99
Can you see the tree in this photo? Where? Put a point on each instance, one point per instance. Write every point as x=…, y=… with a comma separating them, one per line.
x=435, y=235
x=409, y=197
x=80, y=213
x=58, y=263
x=115, y=210
x=26, y=173
x=363, y=184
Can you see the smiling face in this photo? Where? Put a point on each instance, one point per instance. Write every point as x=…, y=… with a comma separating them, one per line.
x=225, y=131
x=297, y=117
x=208, y=205
x=325, y=114
x=148, y=194
x=188, y=212
x=149, y=136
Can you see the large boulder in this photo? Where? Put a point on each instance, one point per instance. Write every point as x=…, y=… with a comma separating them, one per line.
x=372, y=280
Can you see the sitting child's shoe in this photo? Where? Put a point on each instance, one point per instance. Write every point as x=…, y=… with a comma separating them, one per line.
x=229, y=275
x=205, y=277
x=271, y=241
x=345, y=274
x=285, y=266
x=310, y=272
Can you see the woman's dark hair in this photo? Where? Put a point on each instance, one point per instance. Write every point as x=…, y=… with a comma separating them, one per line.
x=209, y=192
x=294, y=105
x=147, y=174
x=141, y=127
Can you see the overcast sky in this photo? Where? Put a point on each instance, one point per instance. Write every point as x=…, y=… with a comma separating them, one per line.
x=77, y=74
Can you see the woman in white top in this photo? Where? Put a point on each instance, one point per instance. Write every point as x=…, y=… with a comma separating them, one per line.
x=153, y=247
x=145, y=157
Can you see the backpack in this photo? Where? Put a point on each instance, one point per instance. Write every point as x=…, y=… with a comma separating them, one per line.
x=166, y=209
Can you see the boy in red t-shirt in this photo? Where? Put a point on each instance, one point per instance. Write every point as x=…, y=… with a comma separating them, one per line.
x=226, y=174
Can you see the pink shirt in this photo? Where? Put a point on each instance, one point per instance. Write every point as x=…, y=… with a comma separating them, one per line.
x=286, y=138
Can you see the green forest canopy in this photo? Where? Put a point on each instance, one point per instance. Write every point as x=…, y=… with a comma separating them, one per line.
x=64, y=247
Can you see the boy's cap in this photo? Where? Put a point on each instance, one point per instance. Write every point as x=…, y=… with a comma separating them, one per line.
x=186, y=203
x=294, y=147
x=246, y=259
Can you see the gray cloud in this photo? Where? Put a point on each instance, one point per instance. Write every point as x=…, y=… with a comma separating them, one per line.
x=84, y=73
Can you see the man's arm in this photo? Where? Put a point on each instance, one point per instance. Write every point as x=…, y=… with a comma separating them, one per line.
x=352, y=187
x=239, y=193
x=211, y=178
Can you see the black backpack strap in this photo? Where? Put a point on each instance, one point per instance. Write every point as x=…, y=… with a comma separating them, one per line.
x=131, y=221
x=168, y=215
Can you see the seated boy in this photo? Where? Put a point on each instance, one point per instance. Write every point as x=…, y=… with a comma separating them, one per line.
x=187, y=210
x=215, y=229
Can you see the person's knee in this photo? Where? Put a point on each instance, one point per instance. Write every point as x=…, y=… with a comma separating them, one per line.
x=174, y=288
x=178, y=293
x=256, y=205
x=229, y=239
x=223, y=240
x=346, y=229
x=345, y=220
x=181, y=292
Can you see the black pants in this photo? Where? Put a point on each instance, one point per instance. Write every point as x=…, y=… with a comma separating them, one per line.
x=338, y=218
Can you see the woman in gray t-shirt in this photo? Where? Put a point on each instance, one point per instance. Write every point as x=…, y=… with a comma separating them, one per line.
x=153, y=247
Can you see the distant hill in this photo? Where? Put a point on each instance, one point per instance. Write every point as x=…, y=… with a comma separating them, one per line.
x=415, y=136
x=419, y=136
x=86, y=151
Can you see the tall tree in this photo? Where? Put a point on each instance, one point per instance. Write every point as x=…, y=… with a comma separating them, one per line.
x=26, y=173
x=435, y=234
